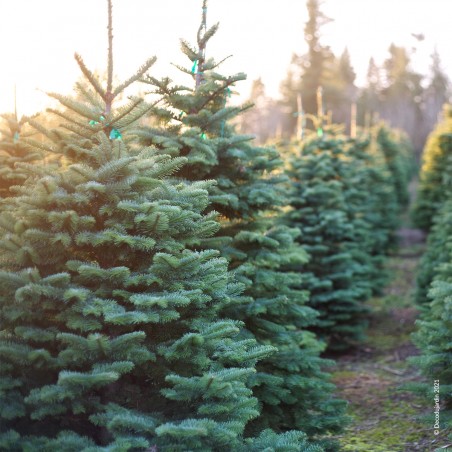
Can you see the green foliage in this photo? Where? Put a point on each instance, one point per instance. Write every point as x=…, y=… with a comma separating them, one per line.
x=114, y=337
x=317, y=68
x=112, y=328
x=434, y=279
x=293, y=391
x=437, y=253
x=433, y=339
x=14, y=155
x=336, y=277
x=153, y=298
x=434, y=179
x=399, y=160
x=345, y=203
x=377, y=204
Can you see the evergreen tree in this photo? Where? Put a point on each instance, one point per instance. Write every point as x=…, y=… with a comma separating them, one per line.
x=370, y=96
x=318, y=59
x=379, y=206
x=112, y=337
x=439, y=82
x=430, y=211
x=14, y=155
x=293, y=391
x=435, y=324
x=345, y=203
x=399, y=160
x=112, y=329
x=437, y=252
x=403, y=94
x=318, y=67
x=325, y=208
x=434, y=182
x=339, y=89
x=437, y=91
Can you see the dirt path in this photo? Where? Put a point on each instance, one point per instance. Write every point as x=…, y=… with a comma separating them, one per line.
x=384, y=418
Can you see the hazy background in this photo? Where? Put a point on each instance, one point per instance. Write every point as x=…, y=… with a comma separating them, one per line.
x=40, y=37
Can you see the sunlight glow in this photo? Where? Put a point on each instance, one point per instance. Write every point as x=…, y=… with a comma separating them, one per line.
x=40, y=38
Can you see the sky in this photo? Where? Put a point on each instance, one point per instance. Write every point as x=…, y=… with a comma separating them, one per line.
x=39, y=38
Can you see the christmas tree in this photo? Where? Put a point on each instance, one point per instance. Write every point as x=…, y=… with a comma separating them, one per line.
x=373, y=193
x=112, y=336
x=399, y=158
x=437, y=252
x=195, y=122
x=325, y=201
x=433, y=334
x=434, y=178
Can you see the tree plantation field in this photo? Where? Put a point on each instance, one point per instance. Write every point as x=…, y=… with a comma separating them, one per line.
x=170, y=284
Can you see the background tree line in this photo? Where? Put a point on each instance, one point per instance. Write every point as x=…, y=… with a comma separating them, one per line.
x=393, y=91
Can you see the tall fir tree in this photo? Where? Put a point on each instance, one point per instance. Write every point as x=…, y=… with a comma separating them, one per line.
x=376, y=202
x=369, y=101
x=345, y=203
x=323, y=209
x=112, y=337
x=292, y=388
x=402, y=94
x=340, y=91
x=319, y=57
x=317, y=68
x=399, y=160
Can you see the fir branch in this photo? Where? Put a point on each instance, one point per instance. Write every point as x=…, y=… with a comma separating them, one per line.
x=208, y=34
x=38, y=145
x=81, y=131
x=188, y=50
x=127, y=109
x=40, y=128
x=88, y=95
x=217, y=92
x=214, y=65
x=141, y=72
x=68, y=118
x=76, y=106
x=137, y=113
x=90, y=76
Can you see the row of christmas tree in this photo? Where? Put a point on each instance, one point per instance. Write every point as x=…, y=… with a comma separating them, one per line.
x=433, y=213
x=171, y=287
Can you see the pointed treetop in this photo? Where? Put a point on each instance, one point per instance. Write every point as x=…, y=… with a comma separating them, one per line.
x=109, y=95
x=202, y=44
x=97, y=97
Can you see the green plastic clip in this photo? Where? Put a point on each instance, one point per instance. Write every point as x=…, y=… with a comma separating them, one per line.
x=115, y=134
